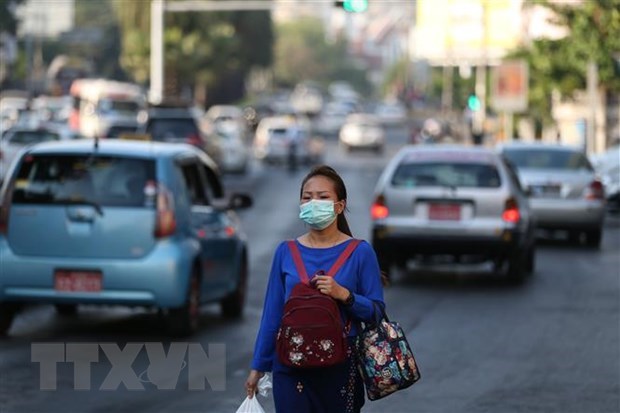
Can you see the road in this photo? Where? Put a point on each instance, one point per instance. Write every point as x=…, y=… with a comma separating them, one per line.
x=483, y=345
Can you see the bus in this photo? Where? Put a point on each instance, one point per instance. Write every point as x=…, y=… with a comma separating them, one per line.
x=105, y=108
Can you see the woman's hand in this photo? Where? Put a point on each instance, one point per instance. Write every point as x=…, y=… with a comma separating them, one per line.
x=328, y=286
x=251, y=382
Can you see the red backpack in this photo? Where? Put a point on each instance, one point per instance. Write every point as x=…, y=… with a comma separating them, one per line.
x=312, y=332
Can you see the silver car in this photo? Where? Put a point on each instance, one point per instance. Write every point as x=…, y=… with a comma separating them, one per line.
x=457, y=203
x=565, y=193
x=362, y=131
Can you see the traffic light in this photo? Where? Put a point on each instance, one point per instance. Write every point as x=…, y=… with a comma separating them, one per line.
x=353, y=6
x=473, y=103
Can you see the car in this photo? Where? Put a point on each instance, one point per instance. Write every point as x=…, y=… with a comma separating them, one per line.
x=176, y=123
x=332, y=118
x=230, y=138
x=565, y=193
x=362, y=131
x=225, y=117
x=128, y=223
x=17, y=138
x=452, y=204
x=275, y=136
x=607, y=166
x=391, y=113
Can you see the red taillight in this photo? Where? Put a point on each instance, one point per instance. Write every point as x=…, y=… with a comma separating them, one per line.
x=165, y=223
x=194, y=139
x=229, y=231
x=379, y=210
x=511, y=211
x=595, y=191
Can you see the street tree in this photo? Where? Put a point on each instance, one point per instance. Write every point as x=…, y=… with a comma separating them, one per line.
x=8, y=19
x=593, y=35
x=207, y=54
x=302, y=53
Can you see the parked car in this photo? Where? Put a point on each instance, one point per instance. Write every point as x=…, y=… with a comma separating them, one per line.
x=121, y=223
x=362, y=131
x=452, y=203
x=176, y=124
x=278, y=138
x=607, y=166
x=16, y=139
x=565, y=193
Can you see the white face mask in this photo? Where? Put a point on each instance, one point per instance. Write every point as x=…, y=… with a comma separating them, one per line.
x=318, y=213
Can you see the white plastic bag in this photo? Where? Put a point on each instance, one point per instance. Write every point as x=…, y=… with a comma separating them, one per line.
x=264, y=385
x=252, y=405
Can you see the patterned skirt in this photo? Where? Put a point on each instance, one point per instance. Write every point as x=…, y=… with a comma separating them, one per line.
x=336, y=389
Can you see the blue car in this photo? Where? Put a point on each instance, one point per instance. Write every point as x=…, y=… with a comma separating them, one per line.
x=120, y=223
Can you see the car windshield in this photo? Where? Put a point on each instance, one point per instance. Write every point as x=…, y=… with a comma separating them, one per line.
x=72, y=179
x=127, y=106
x=30, y=137
x=427, y=174
x=167, y=129
x=547, y=159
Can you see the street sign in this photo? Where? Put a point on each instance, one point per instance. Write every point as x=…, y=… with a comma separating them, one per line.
x=509, y=86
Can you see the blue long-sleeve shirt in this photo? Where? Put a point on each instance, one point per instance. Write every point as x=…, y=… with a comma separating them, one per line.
x=360, y=274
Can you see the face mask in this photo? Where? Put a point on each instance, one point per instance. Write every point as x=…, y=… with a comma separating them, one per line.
x=318, y=213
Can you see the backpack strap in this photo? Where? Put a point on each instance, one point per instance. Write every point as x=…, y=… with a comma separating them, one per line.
x=301, y=269
x=299, y=263
x=343, y=257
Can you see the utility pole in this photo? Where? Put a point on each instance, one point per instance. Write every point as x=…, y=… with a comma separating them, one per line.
x=592, y=90
x=481, y=81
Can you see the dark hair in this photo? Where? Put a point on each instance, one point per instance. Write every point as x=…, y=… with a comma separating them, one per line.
x=341, y=191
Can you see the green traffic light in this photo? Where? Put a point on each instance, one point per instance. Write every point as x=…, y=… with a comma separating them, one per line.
x=473, y=103
x=355, y=6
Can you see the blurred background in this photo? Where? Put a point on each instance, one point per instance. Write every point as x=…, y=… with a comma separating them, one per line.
x=503, y=69
x=269, y=88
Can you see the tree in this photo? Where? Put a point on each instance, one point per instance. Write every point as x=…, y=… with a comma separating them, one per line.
x=8, y=20
x=593, y=29
x=203, y=50
x=303, y=54
x=99, y=17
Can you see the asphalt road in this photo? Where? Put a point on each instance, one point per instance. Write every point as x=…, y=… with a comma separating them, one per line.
x=483, y=345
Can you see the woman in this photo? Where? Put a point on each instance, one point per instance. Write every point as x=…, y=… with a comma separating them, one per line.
x=339, y=388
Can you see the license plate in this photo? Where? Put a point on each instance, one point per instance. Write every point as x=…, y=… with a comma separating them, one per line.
x=444, y=212
x=77, y=281
x=546, y=190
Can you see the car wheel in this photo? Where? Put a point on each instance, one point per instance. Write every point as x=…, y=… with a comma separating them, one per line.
x=7, y=314
x=183, y=321
x=530, y=260
x=232, y=305
x=574, y=237
x=593, y=238
x=66, y=310
x=516, y=268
